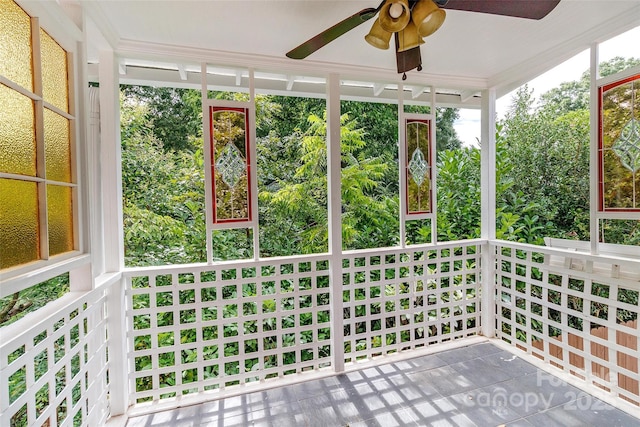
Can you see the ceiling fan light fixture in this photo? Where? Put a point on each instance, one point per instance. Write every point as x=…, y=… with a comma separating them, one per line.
x=395, y=15
x=409, y=38
x=427, y=16
x=378, y=36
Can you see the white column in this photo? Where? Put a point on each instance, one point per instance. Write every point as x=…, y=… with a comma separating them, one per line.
x=112, y=238
x=402, y=156
x=488, y=206
x=434, y=170
x=95, y=175
x=118, y=366
x=334, y=196
x=254, y=166
x=594, y=229
x=111, y=162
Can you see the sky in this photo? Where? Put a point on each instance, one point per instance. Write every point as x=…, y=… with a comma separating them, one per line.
x=626, y=45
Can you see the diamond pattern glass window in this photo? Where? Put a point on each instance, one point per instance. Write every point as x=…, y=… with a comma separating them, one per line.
x=37, y=187
x=230, y=165
x=418, y=166
x=619, y=146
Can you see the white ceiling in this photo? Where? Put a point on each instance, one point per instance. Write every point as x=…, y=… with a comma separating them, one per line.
x=499, y=51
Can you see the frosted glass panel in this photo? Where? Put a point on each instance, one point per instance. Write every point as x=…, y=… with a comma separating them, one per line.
x=17, y=135
x=15, y=44
x=60, y=216
x=19, y=230
x=56, y=147
x=54, y=72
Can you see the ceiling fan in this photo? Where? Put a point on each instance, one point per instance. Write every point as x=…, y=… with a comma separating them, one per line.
x=412, y=20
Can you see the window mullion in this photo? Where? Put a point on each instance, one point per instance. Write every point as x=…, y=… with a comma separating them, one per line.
x=39, y=134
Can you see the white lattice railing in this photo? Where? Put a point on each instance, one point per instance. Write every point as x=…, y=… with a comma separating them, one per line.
x=200, y=328
x=401, y=299
x=195, y=329
x=53, y=372
x=577, y=312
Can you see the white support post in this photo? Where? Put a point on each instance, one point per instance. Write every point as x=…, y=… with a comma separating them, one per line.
x=118, y=365
x=206, y=135
x=334, y=188
x=95, y=182
x=253, y=179
x=433, y=155
x=111, y=161
x=594, y=228
x=402, y=155
x=488, y=205
x=112, y=238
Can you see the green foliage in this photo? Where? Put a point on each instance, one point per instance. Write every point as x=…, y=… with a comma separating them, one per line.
x=302, y=199
x=549, y=143
x=175, y=114
x=163, y=195
x=574, y=96
x=459, y=194
x=446, y=137
x=21, y=303
x=517, y=218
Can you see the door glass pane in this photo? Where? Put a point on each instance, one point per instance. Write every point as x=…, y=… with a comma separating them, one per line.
x=15, y=44
x=17, y=134
x=54, y=72
x=56, y=147
x=60, y=216
x=19, y=229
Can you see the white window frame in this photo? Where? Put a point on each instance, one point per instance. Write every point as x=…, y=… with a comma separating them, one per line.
x=20, y=277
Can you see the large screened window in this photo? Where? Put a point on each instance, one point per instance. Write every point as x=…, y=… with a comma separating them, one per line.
x=37, y=185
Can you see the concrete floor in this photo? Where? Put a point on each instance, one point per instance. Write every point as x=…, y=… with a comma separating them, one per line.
x=479, y=385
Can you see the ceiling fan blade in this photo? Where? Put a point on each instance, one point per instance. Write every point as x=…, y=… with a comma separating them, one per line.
x=531, y=9
x=330, y=34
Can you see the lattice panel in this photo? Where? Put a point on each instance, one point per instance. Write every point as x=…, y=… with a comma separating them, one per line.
x=55, y=373
x=584, y=323
x=211, y=327
x=404, y=299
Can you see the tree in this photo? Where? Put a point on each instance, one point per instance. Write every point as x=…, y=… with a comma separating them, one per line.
x=446, y=136
x=549, y=143
x=303, y=202
x=175, y=114
x=574, y=96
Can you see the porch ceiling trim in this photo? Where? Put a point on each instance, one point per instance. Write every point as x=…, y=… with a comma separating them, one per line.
x=515, y=77
x=166, y=52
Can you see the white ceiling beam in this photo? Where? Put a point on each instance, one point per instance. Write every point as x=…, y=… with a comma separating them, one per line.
x=466, y=95
x=182, y=72
x=290, y=81
x=238, y=78
x=122, y=68
x=164, y=52
x=169, y=78
x=378, y=88
x=416, y=91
